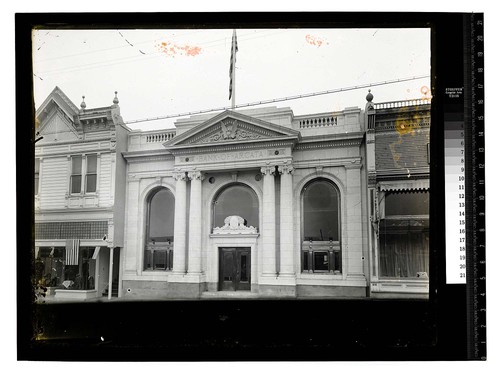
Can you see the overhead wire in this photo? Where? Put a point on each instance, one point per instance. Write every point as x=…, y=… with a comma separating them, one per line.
x=270, y=101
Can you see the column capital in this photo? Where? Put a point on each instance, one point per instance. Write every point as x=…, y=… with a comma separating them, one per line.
x=268, y=170
x=287, y=168
x=179, y=175
x=196, y=175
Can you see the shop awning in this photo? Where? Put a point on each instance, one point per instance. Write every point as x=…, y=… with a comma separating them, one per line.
x=404, y=185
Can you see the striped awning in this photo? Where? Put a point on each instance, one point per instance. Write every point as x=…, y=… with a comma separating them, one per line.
x=404, y=185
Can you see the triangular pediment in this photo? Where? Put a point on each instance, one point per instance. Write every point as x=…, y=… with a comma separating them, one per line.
x=231, y=127
x=57, y=127
x=55, y=118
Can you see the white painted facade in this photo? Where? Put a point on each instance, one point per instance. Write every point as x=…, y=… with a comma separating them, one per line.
x=270, y=153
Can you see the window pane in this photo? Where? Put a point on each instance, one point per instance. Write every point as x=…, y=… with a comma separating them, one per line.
x=237, y=200
x=305, y=260
x=160, y=260
x=76, y=165
x=404, y=250
x=407, y=203
x=90, y=185
x=91, y=164
x=321, y=214
x=76, y=184
x=161, y=216
x=321, y=261
x=244, y=276
x=148, y=260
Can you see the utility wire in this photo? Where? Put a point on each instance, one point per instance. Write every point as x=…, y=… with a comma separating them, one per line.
x=269, y=101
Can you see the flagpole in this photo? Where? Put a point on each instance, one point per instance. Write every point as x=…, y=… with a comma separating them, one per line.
x=232, y=84
x=233, y=98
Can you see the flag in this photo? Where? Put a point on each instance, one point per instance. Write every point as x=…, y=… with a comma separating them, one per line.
x=72, y=249
x=234, y=49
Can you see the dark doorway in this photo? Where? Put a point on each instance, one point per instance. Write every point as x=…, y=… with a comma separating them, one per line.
x=234, y=268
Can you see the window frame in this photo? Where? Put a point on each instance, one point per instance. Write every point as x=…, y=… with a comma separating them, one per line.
x=87, y=174
x=388, y=225
x=74, y=175
x=310, y=248
x=152, y=247
x=225, y=188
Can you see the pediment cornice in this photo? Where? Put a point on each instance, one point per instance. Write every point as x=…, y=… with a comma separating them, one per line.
x=230, y=128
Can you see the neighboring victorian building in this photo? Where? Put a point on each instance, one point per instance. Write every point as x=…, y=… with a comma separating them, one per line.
x=79, y=193
x=244, y=204
x=398, y=136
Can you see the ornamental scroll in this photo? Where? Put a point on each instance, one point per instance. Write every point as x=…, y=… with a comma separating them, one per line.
x=235, y=225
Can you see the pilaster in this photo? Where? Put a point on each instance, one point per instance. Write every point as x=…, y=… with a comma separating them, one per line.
x=268, y=223
x=286, y=221
x=195, y=224
x=179, y=266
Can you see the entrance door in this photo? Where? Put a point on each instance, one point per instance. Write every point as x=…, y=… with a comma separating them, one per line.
x=234, y=268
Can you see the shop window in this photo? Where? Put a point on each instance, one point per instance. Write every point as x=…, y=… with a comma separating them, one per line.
x=238, y=200
x=49, y=266
x=158, y=254
x=321, y=227
x=404, y=235
x=51, y=269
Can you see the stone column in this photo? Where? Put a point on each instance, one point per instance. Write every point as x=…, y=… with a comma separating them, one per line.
x=286, y=221
x=195, y=203
x=179, y=266
x=268, y=223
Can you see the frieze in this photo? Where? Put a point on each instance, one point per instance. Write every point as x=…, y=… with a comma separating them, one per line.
x=225, y=156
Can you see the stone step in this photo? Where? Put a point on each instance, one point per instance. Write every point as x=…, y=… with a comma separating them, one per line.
x=229, y=295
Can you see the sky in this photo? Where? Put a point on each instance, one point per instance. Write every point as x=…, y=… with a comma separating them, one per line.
x=168, y=72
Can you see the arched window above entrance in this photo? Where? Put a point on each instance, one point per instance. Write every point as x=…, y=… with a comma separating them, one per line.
x=239, y=200
x=159, y=233
x=321, y=250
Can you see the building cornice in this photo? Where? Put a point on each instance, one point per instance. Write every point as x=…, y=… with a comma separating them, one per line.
x=334, y=140
x=147, y=155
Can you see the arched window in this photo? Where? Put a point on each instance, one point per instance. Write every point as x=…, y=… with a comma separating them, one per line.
x=238, y=200
x=321, y=227
x=159, y=234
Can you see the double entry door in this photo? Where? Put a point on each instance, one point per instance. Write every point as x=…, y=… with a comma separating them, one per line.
x=234, y=268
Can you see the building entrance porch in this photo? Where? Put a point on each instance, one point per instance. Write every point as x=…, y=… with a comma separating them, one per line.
x=234, y=268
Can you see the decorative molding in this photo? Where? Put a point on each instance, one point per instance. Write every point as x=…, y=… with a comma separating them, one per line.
x=287, y=168
x=329, y=144
x=234, y=225
x=179, y=175
x=246, y=145
x=196, y=175
x=268, y=170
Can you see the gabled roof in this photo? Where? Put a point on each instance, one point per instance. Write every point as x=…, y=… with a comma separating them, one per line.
x=231, y=127
x=59, y=98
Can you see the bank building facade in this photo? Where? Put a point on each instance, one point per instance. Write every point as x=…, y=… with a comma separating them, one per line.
x=255, y=203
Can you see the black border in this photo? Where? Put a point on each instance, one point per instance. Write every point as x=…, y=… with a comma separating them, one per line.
x=245, y=330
